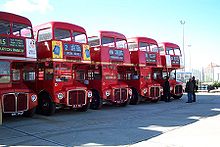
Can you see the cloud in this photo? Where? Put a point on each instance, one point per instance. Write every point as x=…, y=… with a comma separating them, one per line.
x=27, y=6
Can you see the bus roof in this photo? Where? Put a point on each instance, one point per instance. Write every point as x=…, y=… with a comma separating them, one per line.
x=169, y=44
x=143, y=39
x=112, y=34
x=60, y=25
x=14, y=18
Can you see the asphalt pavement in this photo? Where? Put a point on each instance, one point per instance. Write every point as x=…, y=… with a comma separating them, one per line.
x=173, y=124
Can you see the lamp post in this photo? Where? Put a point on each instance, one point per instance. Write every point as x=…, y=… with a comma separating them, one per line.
x=190, y=66
x=182, y=22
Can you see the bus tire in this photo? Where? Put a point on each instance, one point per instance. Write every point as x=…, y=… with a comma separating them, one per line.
x=45, y=105
x=30, y=113
x=135, y=98
x=96, y=103
x=177, y=97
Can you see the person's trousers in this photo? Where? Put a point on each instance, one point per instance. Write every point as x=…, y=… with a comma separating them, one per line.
x=194, y=97
x=189, y=97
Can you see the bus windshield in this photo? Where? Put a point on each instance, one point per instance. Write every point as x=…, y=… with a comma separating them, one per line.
x=143, y=46
x=121, y=43
x=108, y=41
x=22, y=30
x=79, y=37
x=177, y=51
x=94, y=41
x=132, y=46
x=4, y=27
x=154, y=48
x=61, y=34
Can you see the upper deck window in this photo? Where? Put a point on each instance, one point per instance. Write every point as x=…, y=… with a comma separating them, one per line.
x=4, y=72
x=154, y=48
x=143, y=46
x=4, y=27
x=177, y=51
x=108, y=41
x=161, y=50
x=22, y=30
x=79, y=37
x=132, y=46
x=169, y=51
x=94, y=41
x=61, y=34
x=45, y=34
x=121, y=43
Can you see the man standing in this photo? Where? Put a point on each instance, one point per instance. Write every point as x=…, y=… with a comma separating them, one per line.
x=194, y=91
x=189, y=90
x=166, y=90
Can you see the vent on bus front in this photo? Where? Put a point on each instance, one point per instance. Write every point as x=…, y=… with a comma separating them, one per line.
x=178, y=89
x=154, y=91
x=13, y=103
x=77, y=98
x=120, y=94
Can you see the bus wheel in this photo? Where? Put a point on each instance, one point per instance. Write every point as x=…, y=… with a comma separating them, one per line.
x=177, y=97
x=96, y=101
x=135, y=98
x=30, y=113
x=45, y=105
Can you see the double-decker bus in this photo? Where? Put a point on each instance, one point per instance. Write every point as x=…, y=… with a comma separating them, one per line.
x=63, y=59
x=145, y=57
x=171, y=58
x=109, y=50
x=17, y=65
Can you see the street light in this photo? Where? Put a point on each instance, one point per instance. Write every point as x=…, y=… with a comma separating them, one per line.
x=190, y=67
x=182, y=22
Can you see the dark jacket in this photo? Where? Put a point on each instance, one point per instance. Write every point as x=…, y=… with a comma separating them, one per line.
x=166, y=86
x=189, y=87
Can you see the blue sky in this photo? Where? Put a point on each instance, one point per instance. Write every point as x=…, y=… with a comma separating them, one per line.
x=158, y=19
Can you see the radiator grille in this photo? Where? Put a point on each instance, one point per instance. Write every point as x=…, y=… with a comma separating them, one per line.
x=77, y=98
x=178, y=89
x=120, y=94
x=15, y=102
x=154, y=91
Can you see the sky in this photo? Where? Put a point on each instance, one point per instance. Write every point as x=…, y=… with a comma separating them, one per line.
x=157, y=19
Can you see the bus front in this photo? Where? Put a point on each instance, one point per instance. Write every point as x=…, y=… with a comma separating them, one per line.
x=171, y=57
x=64, y=58
x=17, y=65
x=108, y=52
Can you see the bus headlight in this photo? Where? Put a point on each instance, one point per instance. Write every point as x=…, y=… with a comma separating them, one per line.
x=33, y=98
x=171, y=88
x=60, y=96
x=107, y=93
x=130, y=91
x=89, y=94
x=145, y=91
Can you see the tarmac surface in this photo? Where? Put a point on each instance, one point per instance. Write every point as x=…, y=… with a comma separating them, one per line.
x=174, y=124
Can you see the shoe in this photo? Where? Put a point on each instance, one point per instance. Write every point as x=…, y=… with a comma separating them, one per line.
x=188, y=102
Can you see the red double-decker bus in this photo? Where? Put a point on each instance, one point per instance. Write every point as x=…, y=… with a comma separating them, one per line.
x=63, y=59
x=17, y=65
x=171, y=58
x=145, y=57
x=109, y=50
